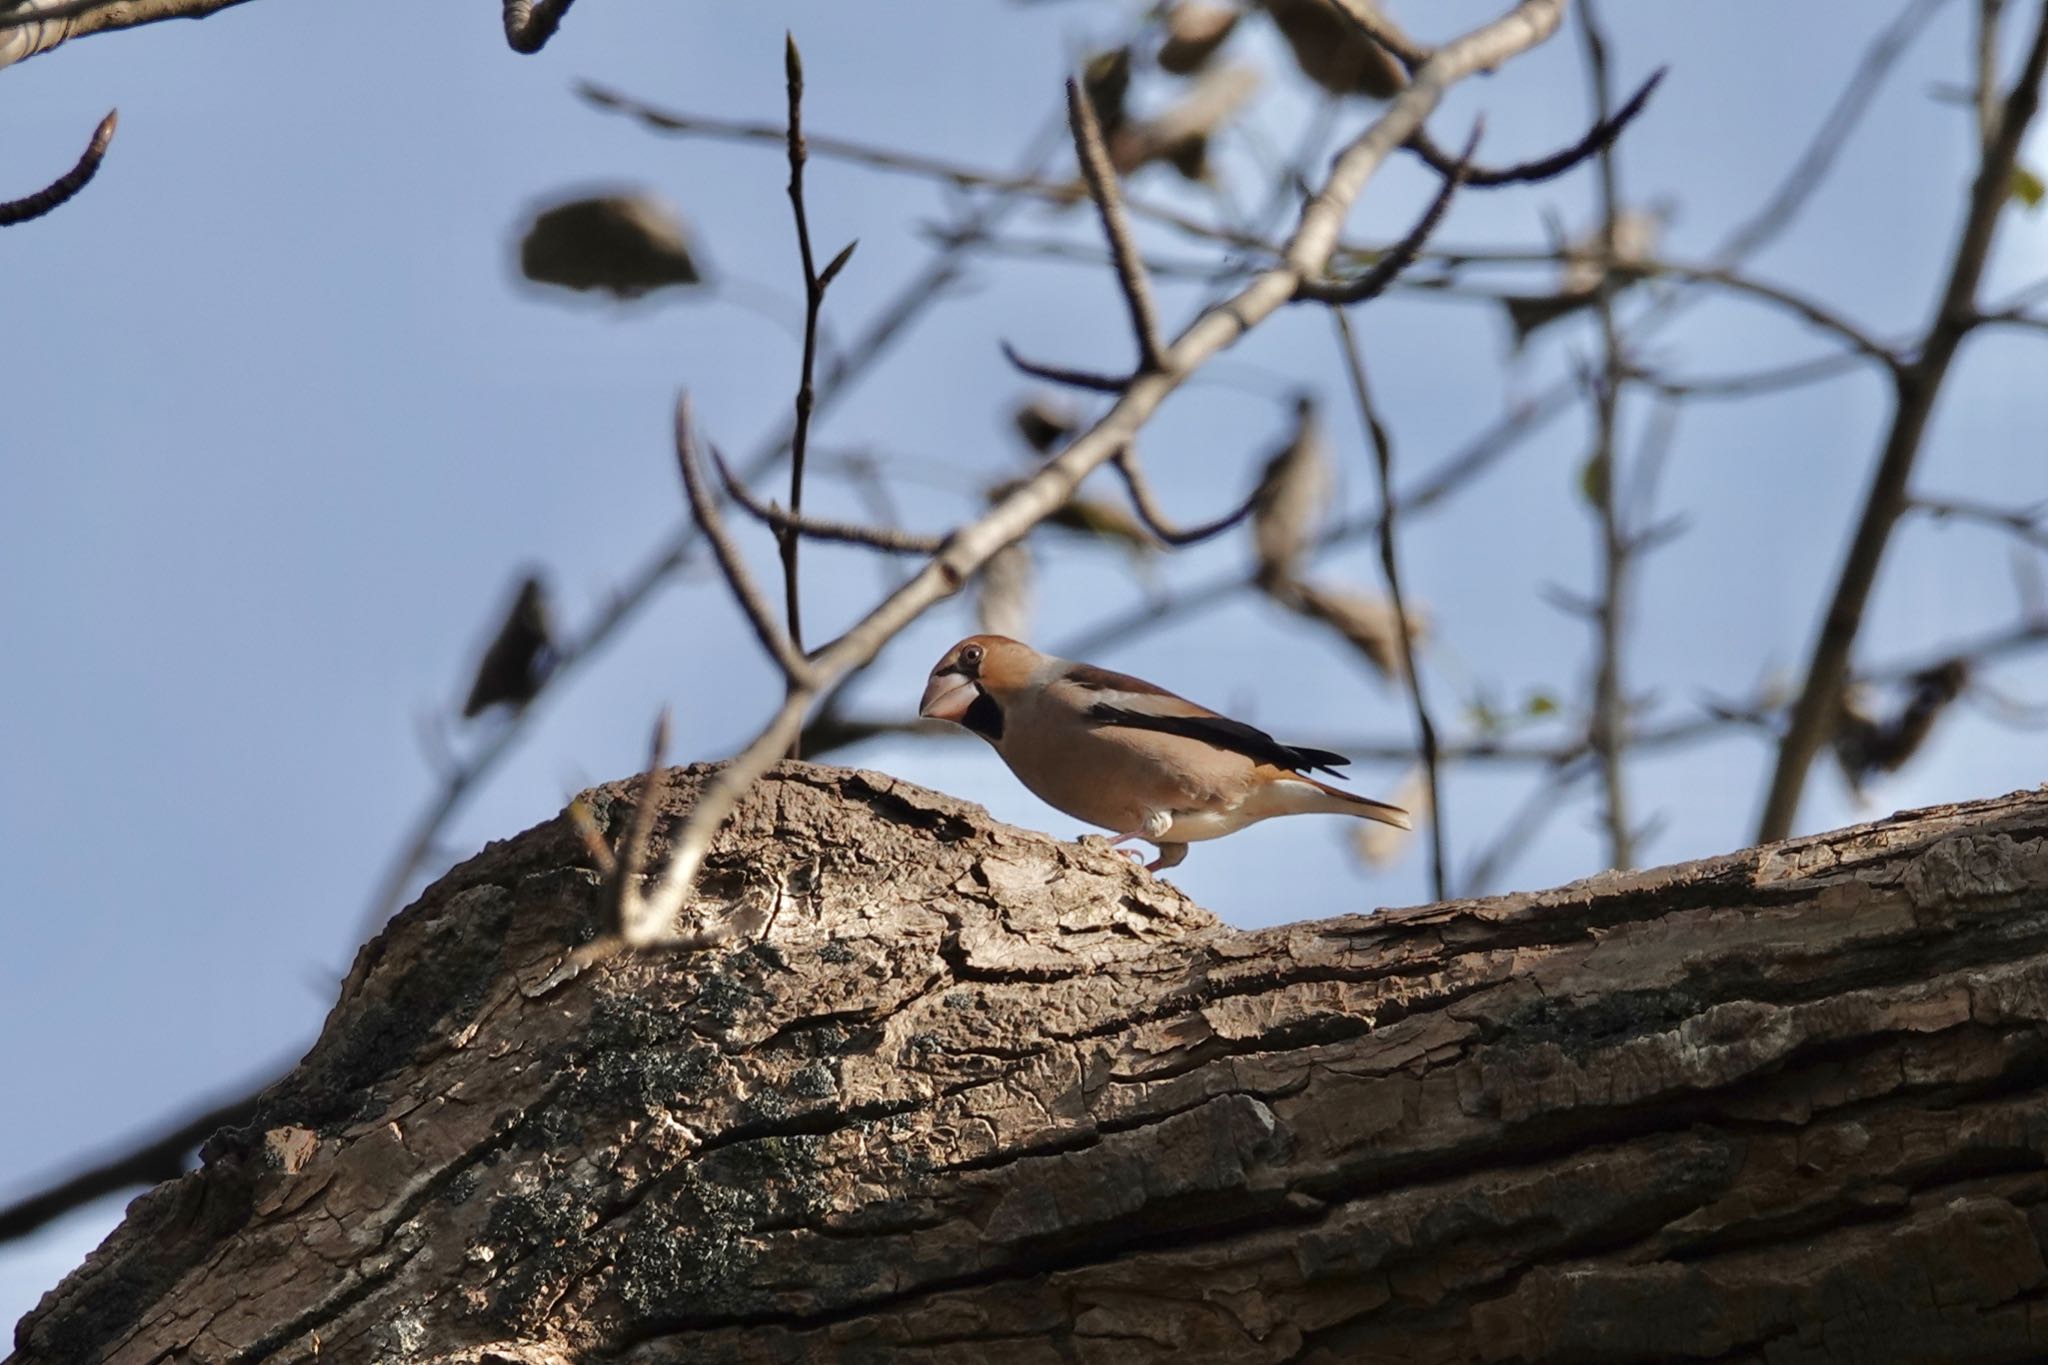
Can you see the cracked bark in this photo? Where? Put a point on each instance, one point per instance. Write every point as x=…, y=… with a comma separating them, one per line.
x=972, y=1094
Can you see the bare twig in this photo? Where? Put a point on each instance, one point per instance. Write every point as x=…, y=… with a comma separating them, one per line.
x=1402, y=254
x=632, y=857
x=1075, y=379
x=815, y=285
x=795, y=668
x=1607, y=731
x=530, y=23
x=840, y=532
x=1155, y=519
x=65, y=186
x=1545, y=798
x=1915, y=388
x=2030, y=524
x=1100, y=174
x=1383, y=466
x=162, y=1157
x=1598, y=138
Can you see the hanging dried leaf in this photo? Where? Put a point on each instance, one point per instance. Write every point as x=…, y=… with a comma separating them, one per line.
x=519, y=658
x=1377, y=845
x=1045, y=424
x=1090, y=517
x=1866, y=744
x=1636, y=234
x=1291, y=499
x=1180, y=136
x=1106, y=81
x=624, y=244
x=1334, y=52
x=1193, y=33
x=1003, y=605
x=1367, y=622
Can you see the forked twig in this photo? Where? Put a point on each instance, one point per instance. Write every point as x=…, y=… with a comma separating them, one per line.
x=1399, y=256
x=1155, y=519
x=841, y=532
x=795, y=668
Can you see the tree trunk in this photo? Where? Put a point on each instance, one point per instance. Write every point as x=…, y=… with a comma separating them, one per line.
x=969, y=1094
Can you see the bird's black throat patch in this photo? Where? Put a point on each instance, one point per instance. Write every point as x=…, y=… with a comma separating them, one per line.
x=984, y=717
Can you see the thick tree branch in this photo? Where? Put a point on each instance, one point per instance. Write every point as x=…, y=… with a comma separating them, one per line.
x=975, y=1095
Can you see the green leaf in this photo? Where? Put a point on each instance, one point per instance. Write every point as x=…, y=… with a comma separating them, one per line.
x=1593, y=479
x=2028, y=188
x=1540, y=704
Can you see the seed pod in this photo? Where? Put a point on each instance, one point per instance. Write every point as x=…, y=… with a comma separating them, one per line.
x=1377, y=845
x=1044, y=424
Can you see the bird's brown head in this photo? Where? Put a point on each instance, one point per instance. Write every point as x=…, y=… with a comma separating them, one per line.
x=968, y=685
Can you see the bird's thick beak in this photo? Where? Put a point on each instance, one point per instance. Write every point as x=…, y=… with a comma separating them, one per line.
x=946, y=697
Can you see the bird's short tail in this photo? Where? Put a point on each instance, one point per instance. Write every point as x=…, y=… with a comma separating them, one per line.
x=1330, y=800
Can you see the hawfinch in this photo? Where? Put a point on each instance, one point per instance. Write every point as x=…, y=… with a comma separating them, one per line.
x=1133, y=758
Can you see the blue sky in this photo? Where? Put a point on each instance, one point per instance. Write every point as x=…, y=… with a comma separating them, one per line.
x=283, y=426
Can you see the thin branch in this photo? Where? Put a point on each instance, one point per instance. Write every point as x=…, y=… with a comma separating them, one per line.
x=632, y=857
x=1544, y=800
x=1915, y=390
x=163, y=1157
x=2029, y=524
x=1100, y=174
x=65, y=186
x=1036, y=497
x=1597, y=139
x=1402, y=254
x=1985, y=92
x=795, y=668
x=1383, y=465
x=530, y=23
x=1155, y=519
x=839, y=532
x=1608, y=729
x=815, y=284
x=1076, y=379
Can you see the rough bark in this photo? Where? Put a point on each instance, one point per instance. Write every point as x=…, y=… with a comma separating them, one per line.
x=972, y=1094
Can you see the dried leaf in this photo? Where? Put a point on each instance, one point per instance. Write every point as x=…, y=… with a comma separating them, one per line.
x=1180, y=136
x=1106, y=81
x=520, y=656
x=1367, y=622
x=1585, y=264
x=1090, y=517
x=1866, y=744
x=1045, y=425
x=2027, y=187
x=1003, y=605
x=1292, y=497
x=1377, y=845
x=624, y=244
x=1193, y=33
x=1333, y=52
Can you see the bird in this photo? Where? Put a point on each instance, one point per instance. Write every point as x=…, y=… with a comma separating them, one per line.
x=1130, y=756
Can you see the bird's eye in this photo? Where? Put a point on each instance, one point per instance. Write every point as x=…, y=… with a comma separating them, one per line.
x=971, y=656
